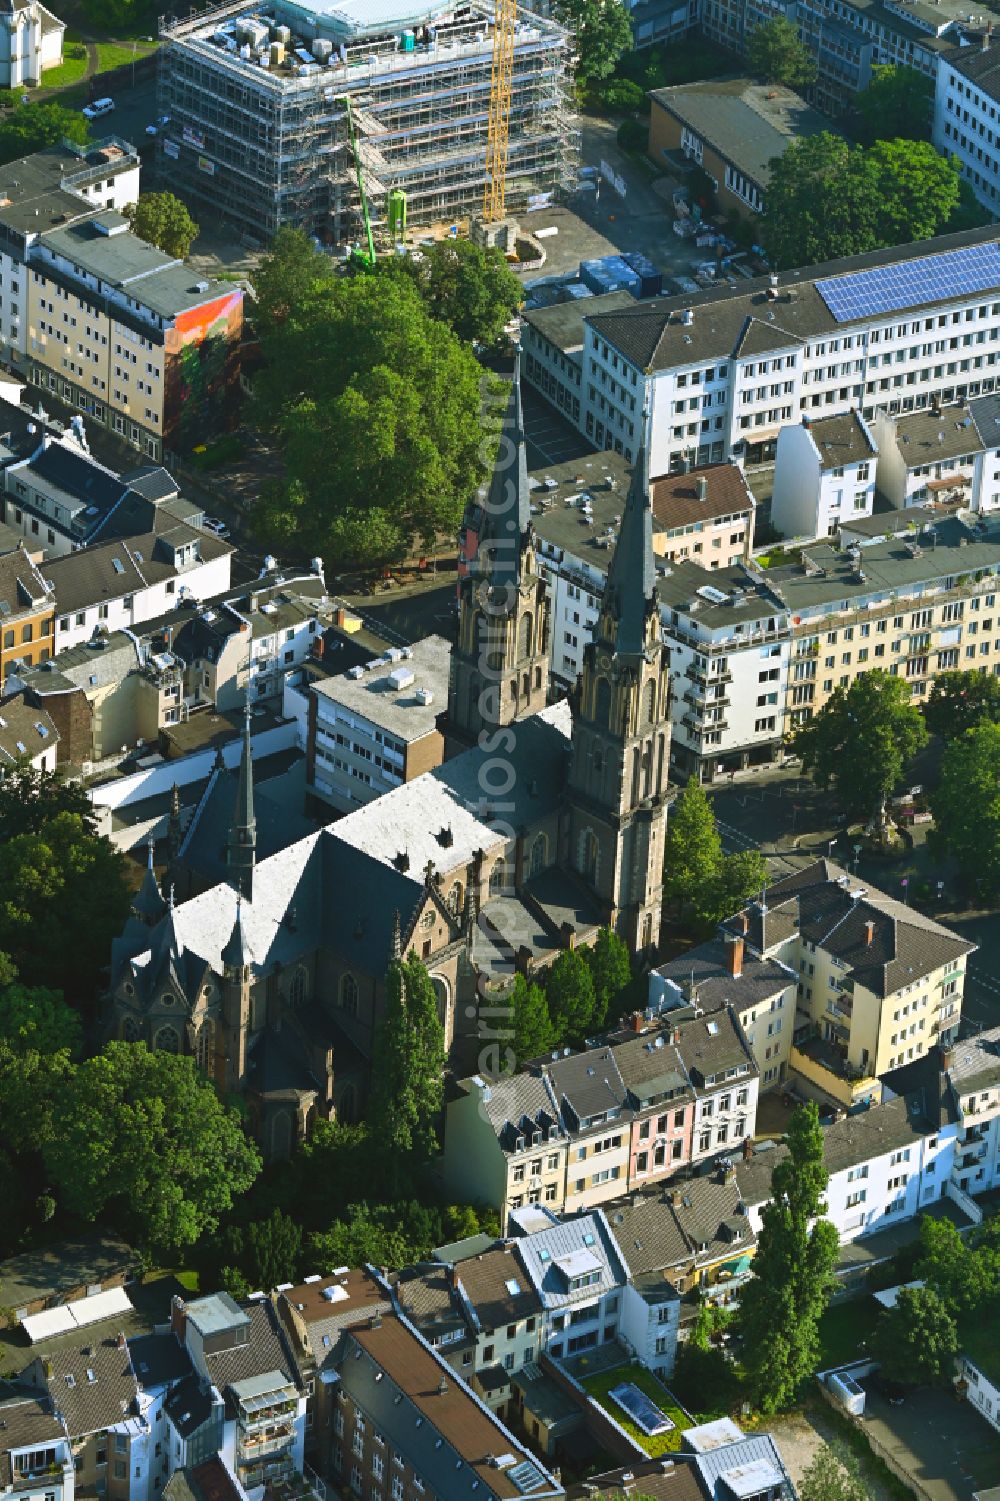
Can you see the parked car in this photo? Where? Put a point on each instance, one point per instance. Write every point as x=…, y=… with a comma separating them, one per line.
x=98, y=108
x=213, y=524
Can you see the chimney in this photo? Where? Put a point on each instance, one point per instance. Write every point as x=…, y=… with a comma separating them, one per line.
x=702, y=488
x=747, y=1149
x=734, y=955
x=453, y=1277
x=947, y=1057
x=638, y=1021
x=178, y=1318
x=744, y=923
x=869, y=934
x=443, y=1387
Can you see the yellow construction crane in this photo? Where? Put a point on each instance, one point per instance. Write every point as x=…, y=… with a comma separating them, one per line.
x=501, y=81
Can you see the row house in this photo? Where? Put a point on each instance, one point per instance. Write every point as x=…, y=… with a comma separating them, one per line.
x=578, y=1273
x=27, y=612
x=824, y=476
x=879, y=983
x=36, y=1453
x=946, y=455
x=92, y=1383
x=584, y=1128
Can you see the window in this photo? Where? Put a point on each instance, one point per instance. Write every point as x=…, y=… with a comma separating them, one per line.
x=349, y=994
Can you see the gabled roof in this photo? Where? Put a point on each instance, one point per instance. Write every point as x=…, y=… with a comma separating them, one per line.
x=495, y=1285
x=22, y=587
x=93, y=1385
x=553, y=1257
x=712, y=1047
x=25, y=732
x=588, y=1084
x=28, y=1421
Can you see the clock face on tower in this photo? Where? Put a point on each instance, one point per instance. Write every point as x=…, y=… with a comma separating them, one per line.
x=604, y=663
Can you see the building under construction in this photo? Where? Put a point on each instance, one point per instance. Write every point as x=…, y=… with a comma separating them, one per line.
x=259, y=127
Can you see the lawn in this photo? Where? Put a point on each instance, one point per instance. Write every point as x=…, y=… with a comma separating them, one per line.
x=598, y=1387
x=842, y=1329
x=115, y=55
x=72, y=67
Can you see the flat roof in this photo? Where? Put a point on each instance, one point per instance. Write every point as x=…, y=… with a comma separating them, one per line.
x=747, y=123
x=104, y=246
x=374, y=695
x=562, y=324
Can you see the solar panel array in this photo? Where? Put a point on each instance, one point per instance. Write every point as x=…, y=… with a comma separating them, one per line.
x=930, y=278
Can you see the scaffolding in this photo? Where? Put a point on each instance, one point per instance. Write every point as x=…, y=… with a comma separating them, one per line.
x=268, y=145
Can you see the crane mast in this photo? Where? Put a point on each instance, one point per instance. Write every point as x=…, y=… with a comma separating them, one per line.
x=501, y=83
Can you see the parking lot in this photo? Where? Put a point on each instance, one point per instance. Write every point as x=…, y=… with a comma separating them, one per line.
x=941, y=1442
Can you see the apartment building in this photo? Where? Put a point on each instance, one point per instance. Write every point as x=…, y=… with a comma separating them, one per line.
x=693, y=1235
x=972, y=1070
x=63, y=184
x=578, y=1272
x=967, y=115
x=596, y=1111
x=374, y=727
x=880, y=983
x=665, y=1099
x=824, y=475
x=948, y=455
x=58, y=496
x=36, y=1457
x=720, y=1065
x=505, y=1144
x=724, y=973
x=725, y=370
x=734, y=129
x=27, y=613
x=28, y=736
x=129, y=336
x=552, y=340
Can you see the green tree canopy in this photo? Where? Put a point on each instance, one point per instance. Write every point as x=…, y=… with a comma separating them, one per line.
x=775, y=53
x=31, y=127
x=916, y=1340
x=142, y=1140
x=376, y=407
x=896, y=105
x=611, y=970
x=861, y=741
x=466, y=286
x=961, y=701
x=58, y=876
x=781, y=1305
x=534, y=1033
x=603, y=31
x=38, y=1020
x=966, y=806
x=827, y=199
x=833, y=1475
x=164, y=221
x=569, y=991
x=408, y=1071
x=962, y=1275
x=739, y=877
x=692, y=851
x=291, y=274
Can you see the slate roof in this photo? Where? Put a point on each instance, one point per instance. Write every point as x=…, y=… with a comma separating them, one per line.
x=926, y=1079
x=927, y=437
x=189, y=1405
x=667, y=1229
x=906, y=945
x=158, y=1360
x=76, y=474
x=22, y=587
x=26, y=1419
x=541, y=1254
x=429, y=1390
x=89, y=1405
x=842, y=439
x=487, y=1280
x=203, y=848
x=24, y=731
x=99, y=665
x=110, y=570
x=746, y=123
x=519, y=1103
x=707, y=966
x=711, y=1046
x=652, y=1069
x=267, y=1349
x=588, y=1084
x=975, y=1062
x=676, y=502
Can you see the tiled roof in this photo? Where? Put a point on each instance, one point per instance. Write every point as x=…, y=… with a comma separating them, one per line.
x=674, y=1479
x=707, y=966
x=92, y=1385
x=27, y=1420
x=331, y=1304
x=24, y=731
x=267, y=1348
x=495, y=1284
x=711, y=1046
x=676, y=501
x=110, y=570
x=668, y=1229
x=843, y=439
x=22, y=587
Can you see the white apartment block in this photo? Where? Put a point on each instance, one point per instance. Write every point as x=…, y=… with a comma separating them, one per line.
x=967, y=116
x=824, y=475
x=943, y=454
x=725, y=371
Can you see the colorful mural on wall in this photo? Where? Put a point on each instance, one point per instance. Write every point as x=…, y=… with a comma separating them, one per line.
x=201, y=370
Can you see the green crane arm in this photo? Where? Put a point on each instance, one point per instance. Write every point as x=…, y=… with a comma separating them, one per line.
x=361, y=182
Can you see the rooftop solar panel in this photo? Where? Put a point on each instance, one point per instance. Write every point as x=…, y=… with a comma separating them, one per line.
x=929, y=278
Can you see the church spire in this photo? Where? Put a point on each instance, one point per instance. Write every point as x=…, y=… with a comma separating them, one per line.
x=630, y=590
x=506, y=525
x=242, y=845
x=148, y=904
x=237, y=954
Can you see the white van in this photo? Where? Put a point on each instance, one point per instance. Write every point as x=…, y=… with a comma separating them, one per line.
x=98, y=108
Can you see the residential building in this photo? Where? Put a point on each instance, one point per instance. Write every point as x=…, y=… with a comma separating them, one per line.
x=507, y=1320
x=724, y=370
x=723, y=973
x=373, y=728
x=62, y=184
x=978, y=1374
x=663, y=1101
x=940, y=456
x=748, y=1466
x=734, y=129
x=707, y=515
x=119, y=585
x=661, y=1479
x=966, y=106
x=972, y=1070
x=824, y=475
x=690, y=1235
x=407, y=1423
x=27, y=612
x=28, y=737
x=594, y=1107
x=879, y=983
x=444, y=63
x=31, y=40
x=124, y=333
x=507, y=1137
x=578, y=1272
x=36, y=1457
x=718, y=1061
x=553, y=339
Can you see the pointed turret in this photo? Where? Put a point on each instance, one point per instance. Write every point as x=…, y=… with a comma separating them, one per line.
x=242, y=845
x=148, y=904
x=505, y=532
x=237, y=954
x=630, y=590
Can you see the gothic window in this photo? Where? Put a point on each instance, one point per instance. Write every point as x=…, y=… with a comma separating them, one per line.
x=298, y=990
x=651, y=702
x=203, y=1047
x=538, y=677
x=427, y=921
x=588, y=855
x=166, y=999
x=455, y=896
x=602, y=703
x=441, y=994
x=349, y=994
x=659, y=764
x=167, y=1040
x=539, y=851
x=130, y=1031
x=499, y=879
x=525, y=636
x=636, y=768
x=647, y=930
x=281, y=1136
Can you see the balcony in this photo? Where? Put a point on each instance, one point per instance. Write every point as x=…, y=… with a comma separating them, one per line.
x=970, y=1158
x=697, y=676
x=254, y=1448
x=699, y=726
x=702, y=701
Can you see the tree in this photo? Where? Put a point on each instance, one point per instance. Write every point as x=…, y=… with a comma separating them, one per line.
x=861, y=740
x=285, y=278
x=38, y=1020
x=692, y=850
x=781, y=1305
x=58, y=876
x=32, y=127
x=827, y=199
x=611, y=970
x=738, y=877
x=469, y=287
x=142, y=1140
x=164, y=221
x=966, y=806
x=833, y=1475
x=963, y=1275
x=961, y=701
x=569, y=991
x=916, y=1340
x=377, y=409
x=534, y=1033
x=274, y=1247
x=775, y=53
x=335, y=1166
x=896, y=105
x=408, y=1071
x=603, y=32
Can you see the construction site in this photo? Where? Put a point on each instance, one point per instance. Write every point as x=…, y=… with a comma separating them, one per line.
x=350, y=114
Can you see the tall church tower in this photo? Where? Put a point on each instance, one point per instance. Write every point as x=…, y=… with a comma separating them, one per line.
x=237, y=961
x=500, y=663
x=241, y=846
x=621, y=735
